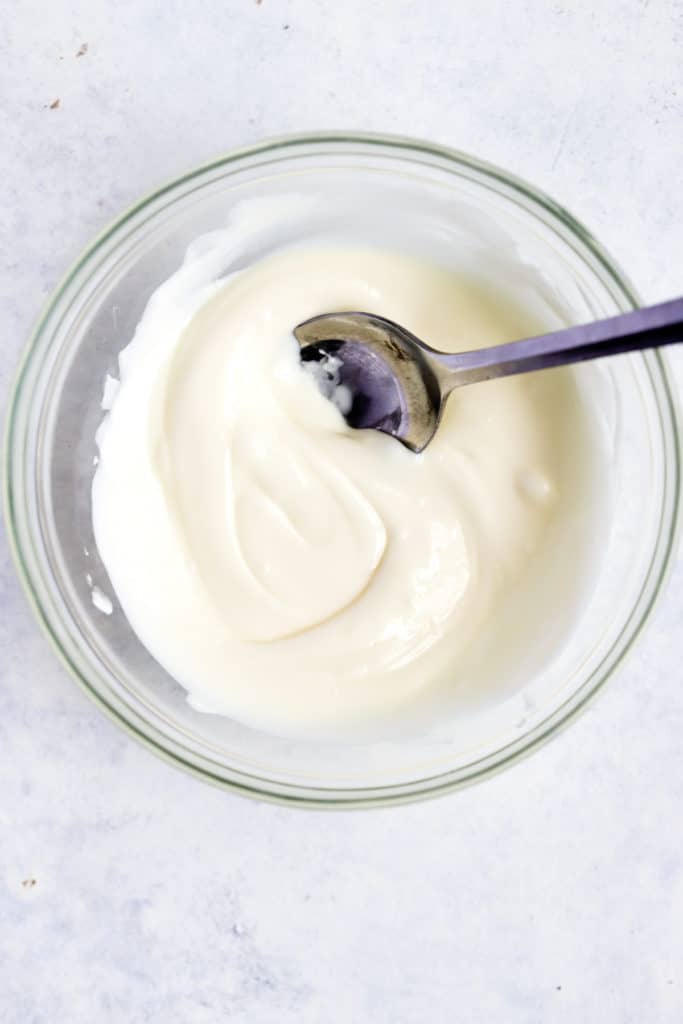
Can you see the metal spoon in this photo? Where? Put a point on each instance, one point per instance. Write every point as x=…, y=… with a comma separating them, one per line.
x=399, y=385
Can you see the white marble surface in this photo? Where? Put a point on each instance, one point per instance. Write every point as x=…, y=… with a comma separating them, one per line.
x=129, y=892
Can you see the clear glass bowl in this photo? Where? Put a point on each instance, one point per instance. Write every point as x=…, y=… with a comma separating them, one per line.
x=369, y=188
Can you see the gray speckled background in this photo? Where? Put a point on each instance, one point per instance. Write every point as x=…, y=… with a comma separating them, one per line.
x=128, y=892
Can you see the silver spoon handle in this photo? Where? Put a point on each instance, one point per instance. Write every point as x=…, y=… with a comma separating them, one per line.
x=649, y=327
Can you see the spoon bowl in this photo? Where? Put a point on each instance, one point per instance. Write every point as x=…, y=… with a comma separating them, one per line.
x=393, y=386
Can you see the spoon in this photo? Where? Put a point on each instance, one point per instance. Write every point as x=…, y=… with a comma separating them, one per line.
x=393, y=382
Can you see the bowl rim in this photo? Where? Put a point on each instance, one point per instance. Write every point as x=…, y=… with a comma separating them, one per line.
x=383, y=795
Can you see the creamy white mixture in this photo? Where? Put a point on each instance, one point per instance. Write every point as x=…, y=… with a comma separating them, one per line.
x=304, y=577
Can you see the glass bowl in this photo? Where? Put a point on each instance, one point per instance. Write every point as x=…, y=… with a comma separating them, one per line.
x=372, y=188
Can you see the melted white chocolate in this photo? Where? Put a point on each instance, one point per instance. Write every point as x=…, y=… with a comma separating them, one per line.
x=296, y=574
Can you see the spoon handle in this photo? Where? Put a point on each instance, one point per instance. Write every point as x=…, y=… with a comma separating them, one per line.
x=649, y=327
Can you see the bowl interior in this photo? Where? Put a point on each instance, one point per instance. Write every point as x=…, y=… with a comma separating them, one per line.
x=389, y=194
